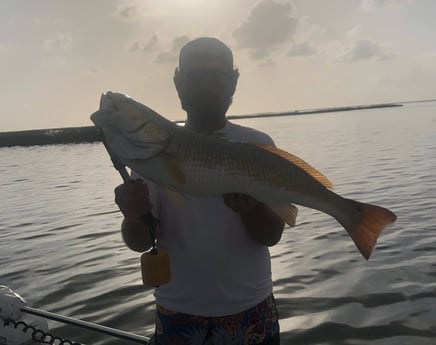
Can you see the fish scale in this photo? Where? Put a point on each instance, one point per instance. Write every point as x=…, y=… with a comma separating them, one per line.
x=235, y=172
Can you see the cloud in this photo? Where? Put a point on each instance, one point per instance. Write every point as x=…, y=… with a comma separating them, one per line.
x=366, y=50
x=56, y=61
x=144, y=46
x=354, y=31
x=59, y=60
x=267, y=63
x=58, y=21
x=309, y=31
x=372, y=5
x=268, y=26
x=62, y=41
x=172, y=55
x=128, y=11
x=302, y=49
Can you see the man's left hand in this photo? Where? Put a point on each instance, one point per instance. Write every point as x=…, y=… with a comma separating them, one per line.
x=264, y=226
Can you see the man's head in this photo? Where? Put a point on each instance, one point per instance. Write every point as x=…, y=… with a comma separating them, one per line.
x=205, y=79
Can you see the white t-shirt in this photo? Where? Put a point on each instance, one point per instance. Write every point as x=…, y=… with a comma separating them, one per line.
x=217, y=269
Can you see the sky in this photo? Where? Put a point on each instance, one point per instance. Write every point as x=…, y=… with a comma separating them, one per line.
x=57, y=57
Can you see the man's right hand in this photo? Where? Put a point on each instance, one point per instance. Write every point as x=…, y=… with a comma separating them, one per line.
x=133, y=199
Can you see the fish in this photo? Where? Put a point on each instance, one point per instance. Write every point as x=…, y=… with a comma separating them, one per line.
x=187, y=162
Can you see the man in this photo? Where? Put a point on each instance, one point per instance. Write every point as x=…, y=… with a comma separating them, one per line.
x=221, y=287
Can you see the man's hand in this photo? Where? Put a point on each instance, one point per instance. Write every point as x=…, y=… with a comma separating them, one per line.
x=263, y=225
x=133, y=199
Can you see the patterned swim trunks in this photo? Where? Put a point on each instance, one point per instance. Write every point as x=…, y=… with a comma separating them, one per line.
x=257, y=325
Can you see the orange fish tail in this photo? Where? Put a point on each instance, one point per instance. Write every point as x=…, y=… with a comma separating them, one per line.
x=368, y=225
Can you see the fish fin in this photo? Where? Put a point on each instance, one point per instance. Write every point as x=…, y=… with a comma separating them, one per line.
x=299, y=163
x=368, y=226
x=288, y=214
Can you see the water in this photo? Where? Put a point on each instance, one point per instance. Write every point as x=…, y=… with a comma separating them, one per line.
x=61, y=249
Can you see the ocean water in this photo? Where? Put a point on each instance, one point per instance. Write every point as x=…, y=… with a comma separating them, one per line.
x=61, y=249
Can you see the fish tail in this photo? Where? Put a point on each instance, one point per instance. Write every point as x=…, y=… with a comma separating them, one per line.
x=367, y=226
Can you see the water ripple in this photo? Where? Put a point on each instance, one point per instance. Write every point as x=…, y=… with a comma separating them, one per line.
x=61, y=248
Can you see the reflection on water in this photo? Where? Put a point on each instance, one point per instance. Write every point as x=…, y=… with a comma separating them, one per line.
x=61, y=249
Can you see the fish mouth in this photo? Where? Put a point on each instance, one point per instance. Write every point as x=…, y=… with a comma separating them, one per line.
x=107, y=103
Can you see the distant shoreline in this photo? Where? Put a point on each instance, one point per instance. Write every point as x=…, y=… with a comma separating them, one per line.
x=89, y=134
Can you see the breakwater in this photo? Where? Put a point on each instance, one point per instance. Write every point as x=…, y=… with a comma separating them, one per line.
x=50, y=136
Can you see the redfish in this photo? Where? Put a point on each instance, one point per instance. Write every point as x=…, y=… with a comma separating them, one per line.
x=207, y=165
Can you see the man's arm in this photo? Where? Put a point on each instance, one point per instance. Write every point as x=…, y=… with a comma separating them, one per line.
x=264, y=226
